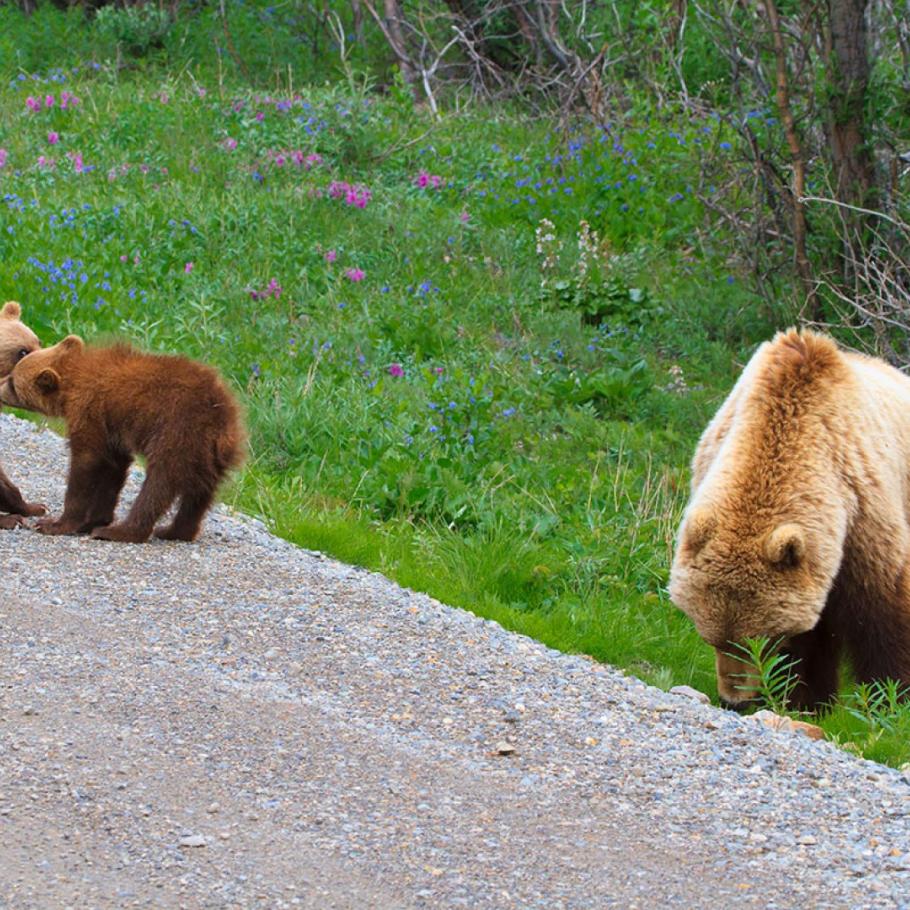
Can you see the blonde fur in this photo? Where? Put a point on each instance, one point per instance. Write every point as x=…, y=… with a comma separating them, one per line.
x=798, y=526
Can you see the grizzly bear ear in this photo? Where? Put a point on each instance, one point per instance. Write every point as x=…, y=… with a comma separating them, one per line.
x=72, y=343
x=699, y=527
x=785, y=546
x=11, y=310
x=47, y=381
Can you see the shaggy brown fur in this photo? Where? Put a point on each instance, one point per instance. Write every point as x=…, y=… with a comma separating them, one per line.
x=798, y=527
x=16, y=340
x=117, y=403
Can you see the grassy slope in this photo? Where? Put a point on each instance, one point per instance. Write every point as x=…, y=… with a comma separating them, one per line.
x=445, y=418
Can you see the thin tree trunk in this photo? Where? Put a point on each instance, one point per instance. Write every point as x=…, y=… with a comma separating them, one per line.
x=848, y=64
x=357, y=13
x=798, y=209
x=392, y=12
x=390, y=26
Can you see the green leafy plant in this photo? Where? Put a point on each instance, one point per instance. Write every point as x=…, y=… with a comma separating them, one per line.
x=613, y=386
x=879, y=704
x=604, y=300
x=773, y=673
x=136, y=29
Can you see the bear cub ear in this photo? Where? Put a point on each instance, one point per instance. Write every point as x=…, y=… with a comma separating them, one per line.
x=72, y=343
x=11, y=310
x=699, y=527
x=785, y=546
x=47, y=381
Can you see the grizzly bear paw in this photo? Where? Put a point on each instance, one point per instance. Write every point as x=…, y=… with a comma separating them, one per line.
x=35, y=508
x=120, y=533
x=8, y=522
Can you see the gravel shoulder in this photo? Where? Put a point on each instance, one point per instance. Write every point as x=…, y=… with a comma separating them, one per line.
x=242, y=723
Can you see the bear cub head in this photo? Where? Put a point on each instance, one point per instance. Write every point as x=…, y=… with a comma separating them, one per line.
x=16, y=338
x=38, y=381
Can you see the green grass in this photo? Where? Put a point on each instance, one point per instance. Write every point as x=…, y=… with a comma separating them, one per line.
x=508, y=438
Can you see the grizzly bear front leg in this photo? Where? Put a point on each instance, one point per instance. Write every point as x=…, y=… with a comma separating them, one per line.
x=11, y=501
x=817, y=653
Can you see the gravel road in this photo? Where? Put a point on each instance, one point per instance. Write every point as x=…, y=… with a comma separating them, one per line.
x=241, y=723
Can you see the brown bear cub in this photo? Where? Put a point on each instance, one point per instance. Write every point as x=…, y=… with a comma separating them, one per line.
x=16, y=340
x=117, y=403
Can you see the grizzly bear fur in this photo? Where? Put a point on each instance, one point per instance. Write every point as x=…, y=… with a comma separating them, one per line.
x=798, y=526
x=117, y=403
x=16, y=340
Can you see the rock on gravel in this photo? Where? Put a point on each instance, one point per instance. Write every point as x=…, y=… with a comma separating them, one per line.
x=335, y=741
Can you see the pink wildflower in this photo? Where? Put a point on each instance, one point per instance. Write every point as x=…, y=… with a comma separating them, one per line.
x=48, y=163
x=3, y=154
x=53, y=138
x=331, y=256
x=230, y=144
x=124, y=257
x=353, y=194
x=33, y=104
x=260, y=116
x=396, y=370
x=49, y=100
x=424, y=180
x=188, y=268
x=355, y=274
x=274, y=289
x=464, y=217
x=280, y=160
x=78, y=163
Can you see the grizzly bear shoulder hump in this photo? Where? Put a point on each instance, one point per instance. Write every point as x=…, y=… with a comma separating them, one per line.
x=803, y=357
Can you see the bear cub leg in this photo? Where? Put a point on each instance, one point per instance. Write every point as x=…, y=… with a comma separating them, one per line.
x=187, y=521
x=154, y=499
x=92, y=489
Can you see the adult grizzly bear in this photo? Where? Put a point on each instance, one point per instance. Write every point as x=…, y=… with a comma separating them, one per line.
x=117, y=403
x=798, y=526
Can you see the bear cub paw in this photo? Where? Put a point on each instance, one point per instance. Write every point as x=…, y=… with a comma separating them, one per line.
x=120, y=534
